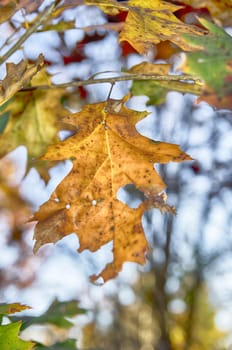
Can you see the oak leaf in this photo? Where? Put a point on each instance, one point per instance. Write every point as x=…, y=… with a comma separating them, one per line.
x=17, y=76
x=107, y=153
x=57, y=314
x=148, y=22
x=213, y=63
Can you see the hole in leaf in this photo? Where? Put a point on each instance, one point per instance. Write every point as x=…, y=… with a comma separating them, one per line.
x=64, y=134
x=130, y=195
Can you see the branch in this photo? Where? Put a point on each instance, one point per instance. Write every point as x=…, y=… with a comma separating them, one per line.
x=117, y=27
x=189, y=84
x=41, y=18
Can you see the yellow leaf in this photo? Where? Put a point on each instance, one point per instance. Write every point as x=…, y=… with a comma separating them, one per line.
x=151, y=21
x=33, y=118
x=111, y=7
x=148, y=22
x=149, y=68
x=17, y=76
x=107, y=153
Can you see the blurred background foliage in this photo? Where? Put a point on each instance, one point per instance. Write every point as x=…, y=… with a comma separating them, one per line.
x=181, y=299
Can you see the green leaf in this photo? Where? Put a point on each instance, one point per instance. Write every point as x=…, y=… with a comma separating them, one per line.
x=9, y=339
x=57, y=313
x=69, y=344
x=213, y=63
x=33, y=120
x=4, y=120
x=157, y=91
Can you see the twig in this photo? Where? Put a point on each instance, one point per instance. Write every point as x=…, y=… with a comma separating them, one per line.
x=117, y=27
x=43, y=16
x=111, y=88
x=188, y=81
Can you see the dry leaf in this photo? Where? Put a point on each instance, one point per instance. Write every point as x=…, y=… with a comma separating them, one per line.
x=17, y=76
x=148, y=22
x=107, y=153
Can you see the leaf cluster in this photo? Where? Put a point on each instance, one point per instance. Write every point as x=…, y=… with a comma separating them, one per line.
x=105, y=148
x=57, y=315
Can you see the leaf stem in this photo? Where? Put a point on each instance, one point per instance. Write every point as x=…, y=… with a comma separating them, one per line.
x=41, y=18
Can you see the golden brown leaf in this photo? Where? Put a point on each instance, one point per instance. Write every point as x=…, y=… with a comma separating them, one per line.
x=107, y=153
x=17, y=76
x=148, y=22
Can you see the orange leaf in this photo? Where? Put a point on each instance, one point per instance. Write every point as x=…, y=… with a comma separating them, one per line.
x=9, y=309
x=107, y=153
